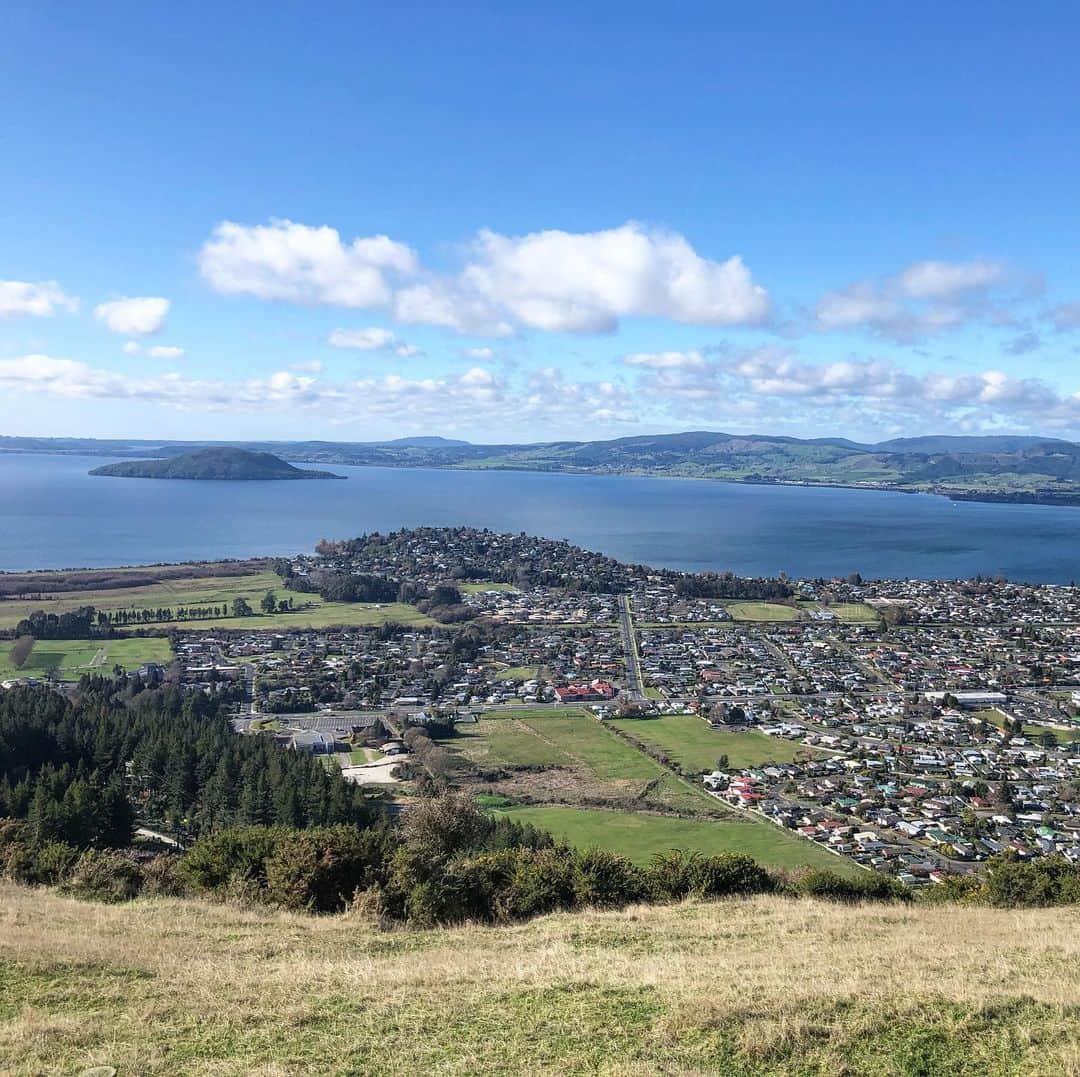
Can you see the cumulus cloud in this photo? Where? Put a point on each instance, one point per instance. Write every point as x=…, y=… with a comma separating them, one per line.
x=483, y=355
x=586, y=282
x=40, y=300
x=373, y=339
x=923, y=298
x=776, y=382
x=134, y=317
x=297, y=263
x=552, y=280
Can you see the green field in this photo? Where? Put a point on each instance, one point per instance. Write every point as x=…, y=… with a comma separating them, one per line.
x=69, y=659
x=695, y=745
x=763, y=611
x=519, y=673
x=1032, y=732
x=487, y=585
x=855, y=613
x=311, y=611
x=639, y=836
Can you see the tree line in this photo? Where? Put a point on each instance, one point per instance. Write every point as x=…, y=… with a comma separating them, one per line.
x=80, y=770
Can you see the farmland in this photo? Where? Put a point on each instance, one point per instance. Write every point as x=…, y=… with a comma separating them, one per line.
x=311, y=610
x=68, y=659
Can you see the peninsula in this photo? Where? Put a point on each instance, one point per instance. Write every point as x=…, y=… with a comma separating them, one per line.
x=217, y=463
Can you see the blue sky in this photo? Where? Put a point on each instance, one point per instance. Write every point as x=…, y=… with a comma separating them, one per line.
x=350, y=222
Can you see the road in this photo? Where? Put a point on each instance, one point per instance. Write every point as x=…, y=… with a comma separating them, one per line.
x=635, y=686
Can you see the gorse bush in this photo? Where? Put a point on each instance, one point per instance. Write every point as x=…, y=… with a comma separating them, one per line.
x=107, y=875
x=868, y=886
x=676, y=875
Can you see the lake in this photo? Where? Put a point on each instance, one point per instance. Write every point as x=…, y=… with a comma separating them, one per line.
x=54, y=515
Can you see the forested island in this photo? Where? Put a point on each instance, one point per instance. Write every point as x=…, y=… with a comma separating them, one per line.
x=217, y=463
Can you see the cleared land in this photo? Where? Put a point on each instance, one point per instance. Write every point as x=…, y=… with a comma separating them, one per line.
x=696, y=746
x=1032, y=732
x=70, y=659
x=763, y=611
x=311, y=611
x=640, y=836
x=592, y=763
x=763, y=986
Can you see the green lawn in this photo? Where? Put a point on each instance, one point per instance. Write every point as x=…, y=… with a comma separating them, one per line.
x=485, y=585
x=696, y=746
x=518, y=673
x=311, y=612
x=638, y=836
x=763, y=611
x=69, y=659
x=1032, y=732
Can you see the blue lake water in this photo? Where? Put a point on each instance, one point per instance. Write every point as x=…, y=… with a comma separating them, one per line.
x=54, y=515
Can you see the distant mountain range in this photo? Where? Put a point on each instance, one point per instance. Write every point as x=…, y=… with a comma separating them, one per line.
x=990, y=468
x=218, y=463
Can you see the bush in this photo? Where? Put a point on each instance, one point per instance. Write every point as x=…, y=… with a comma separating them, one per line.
x=541, y=882
x=105, y=875
x=161, y=876
x=230, y=857
x=604, y=880
x=322, y=869
x=867, y=886
x=1012, y=883
x=53, y=862
x=965, y=889
x=673, y=876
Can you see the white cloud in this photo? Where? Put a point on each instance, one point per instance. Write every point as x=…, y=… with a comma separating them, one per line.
x=131, y=347
x=691, y=360
x=373, y=339
x=587, y=281
x=945, y=280
x=40, y=300
x=923, y=298
x=284, y=260
x=551, y=280
x=138, y=316
x=483, y=355
x=166, y=351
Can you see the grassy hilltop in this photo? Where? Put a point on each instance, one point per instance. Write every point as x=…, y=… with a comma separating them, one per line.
x=755, y=986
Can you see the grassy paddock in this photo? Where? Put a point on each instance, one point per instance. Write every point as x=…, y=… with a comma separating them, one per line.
x=639, y=836
x=69, y=659
x=695, y=745
x=745, y=987
x=312, y=611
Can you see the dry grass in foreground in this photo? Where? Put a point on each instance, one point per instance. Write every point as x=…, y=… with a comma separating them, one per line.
x=764, y=985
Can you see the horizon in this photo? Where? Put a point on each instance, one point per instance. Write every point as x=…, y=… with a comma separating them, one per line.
x=512, y=223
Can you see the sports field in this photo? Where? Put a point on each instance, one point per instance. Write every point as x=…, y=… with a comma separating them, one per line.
x=763, y=611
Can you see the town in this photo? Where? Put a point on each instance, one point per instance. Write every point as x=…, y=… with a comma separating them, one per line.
x=916, y=728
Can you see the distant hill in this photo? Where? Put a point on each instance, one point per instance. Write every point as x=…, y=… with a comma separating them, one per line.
x=227, y=464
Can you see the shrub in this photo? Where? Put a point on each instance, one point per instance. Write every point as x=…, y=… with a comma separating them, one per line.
x=606, y=881
x=676, y=875
x=161, y=876
x=867, y=886
x=966, y=889
x=1012, y=883
x=53, y=862
x=541, y=882
x=322, y=869
x=105, y=875
x=230, y=857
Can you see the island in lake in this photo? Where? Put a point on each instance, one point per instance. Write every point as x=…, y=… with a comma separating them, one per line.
x=218, y=463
